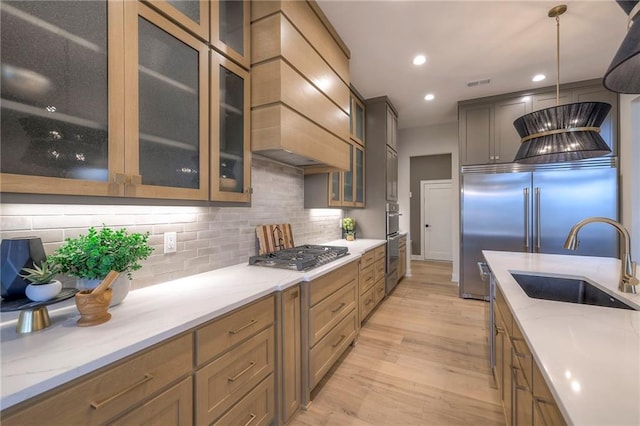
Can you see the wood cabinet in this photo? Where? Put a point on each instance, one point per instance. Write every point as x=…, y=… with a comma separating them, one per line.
x=330, y=322
x=371, y=281
x=526, y=397
x=485, y=126
x=296, y=51
x=127, y=124
x=402, y=257
x=235, y=356
x=289, y=356
x=358, y=119
x=230, y=29
x=138, y=383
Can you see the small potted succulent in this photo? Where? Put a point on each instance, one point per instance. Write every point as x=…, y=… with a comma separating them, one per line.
x=349, y=228
x=90, y=257
x=42, y=286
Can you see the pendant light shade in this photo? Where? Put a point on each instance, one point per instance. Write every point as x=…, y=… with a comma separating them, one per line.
x=565, y=132
x=623, y=75
x=562, y=133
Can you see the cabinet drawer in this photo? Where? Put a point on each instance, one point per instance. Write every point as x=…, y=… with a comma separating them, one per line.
x=379, y=269
x=367, y=259
x=104, y=396
x=522, y=355
x=326, y=314
x=379, y=253
x=221, y=334
x=366, y=278
x=329, y=349
x=546, y=408
x=379, y=290
x=332, y=281
x=173, y=407
x=367, y=303
x=257, y=408
x=505, y=311
x=220, y=384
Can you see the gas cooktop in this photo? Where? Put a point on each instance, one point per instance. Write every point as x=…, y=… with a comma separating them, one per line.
x=300, y=258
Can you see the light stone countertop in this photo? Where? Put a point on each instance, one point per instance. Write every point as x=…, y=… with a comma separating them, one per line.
x=37, y=362
x=590, y=355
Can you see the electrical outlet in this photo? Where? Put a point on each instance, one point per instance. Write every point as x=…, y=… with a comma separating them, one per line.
x=170, y=242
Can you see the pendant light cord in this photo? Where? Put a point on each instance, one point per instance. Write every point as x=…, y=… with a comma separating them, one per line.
x=558, y=59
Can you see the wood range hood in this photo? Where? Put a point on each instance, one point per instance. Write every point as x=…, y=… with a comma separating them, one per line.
x=300, y=94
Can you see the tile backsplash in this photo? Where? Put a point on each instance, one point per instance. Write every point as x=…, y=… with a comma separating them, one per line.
x=208, y=237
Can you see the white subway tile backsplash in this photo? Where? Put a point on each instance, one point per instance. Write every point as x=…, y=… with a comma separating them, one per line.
x=208, y=237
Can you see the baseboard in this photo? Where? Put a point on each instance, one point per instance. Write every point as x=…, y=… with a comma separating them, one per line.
x=454, y=277
x=416, y=257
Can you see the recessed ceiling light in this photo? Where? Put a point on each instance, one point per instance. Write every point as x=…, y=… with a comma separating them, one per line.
x=429, y=97
x=538, y=77
x=419, y=60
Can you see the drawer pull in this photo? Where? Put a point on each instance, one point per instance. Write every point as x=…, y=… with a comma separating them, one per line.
x=145, y=379
x=294, y=295
x=237, y=376
x=339, y=341
x=249, y=324
x=252, y=418
x=368, y=302
x=338, y=308
x=499, y=330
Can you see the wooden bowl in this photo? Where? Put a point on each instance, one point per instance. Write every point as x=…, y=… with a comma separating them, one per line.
x=93, y=307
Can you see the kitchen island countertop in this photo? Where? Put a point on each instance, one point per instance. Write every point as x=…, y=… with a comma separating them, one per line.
x=589, y=355
x=37, y=362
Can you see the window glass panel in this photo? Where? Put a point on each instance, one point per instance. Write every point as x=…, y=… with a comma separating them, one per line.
x=232, y=24
x=231, y=131
x=190, y=8
x=169, y=109
x=54, y=109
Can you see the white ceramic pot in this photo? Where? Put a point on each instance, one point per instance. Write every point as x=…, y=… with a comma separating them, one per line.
x=43, y=292
x=120, y=286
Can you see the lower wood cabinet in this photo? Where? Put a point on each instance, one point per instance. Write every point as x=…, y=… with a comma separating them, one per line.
x=288, y=354
x=372, y=274
x=256, y=408
x=526, y=398
x=402, y=258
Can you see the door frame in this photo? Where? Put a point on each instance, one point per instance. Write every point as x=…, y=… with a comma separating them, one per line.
x=422, y=212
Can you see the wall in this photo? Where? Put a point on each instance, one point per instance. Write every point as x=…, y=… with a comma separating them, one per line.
x=424, y=167
x=208, y=237
x=429, y=140
x=630, y=168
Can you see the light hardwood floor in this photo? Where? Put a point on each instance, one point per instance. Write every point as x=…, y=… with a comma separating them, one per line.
x=420, y=359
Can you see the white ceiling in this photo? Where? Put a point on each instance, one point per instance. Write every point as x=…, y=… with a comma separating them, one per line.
x=506, y=41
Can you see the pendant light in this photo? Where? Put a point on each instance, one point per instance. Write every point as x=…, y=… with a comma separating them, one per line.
x=623, y=75
x=565, y=132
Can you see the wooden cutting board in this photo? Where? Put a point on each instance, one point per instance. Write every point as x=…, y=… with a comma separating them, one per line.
x=274, y=237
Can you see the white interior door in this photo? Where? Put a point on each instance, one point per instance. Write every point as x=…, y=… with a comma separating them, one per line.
x=437, y=215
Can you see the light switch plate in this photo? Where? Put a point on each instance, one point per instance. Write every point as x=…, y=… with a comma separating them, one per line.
x=170, y=242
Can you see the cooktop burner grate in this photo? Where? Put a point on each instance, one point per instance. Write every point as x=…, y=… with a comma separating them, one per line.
x=300, y=258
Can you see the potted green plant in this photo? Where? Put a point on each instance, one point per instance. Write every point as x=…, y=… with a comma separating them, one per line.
x=42, y=286
x=349, y=228
x=90, y=257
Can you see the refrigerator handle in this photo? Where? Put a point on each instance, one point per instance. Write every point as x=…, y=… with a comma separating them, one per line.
x=526, y=218
x=537, y=192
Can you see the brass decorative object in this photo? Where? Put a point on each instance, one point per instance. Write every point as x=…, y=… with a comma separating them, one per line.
x=31, y=320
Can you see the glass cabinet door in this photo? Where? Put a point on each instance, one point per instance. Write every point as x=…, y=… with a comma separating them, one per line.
x=359, y=177
x=57, y=131
x=357, y=120
x=347, y=190
x=230, y=159
x=192, y=14
x=230, y=29
x=167, y=147
x=335, y=189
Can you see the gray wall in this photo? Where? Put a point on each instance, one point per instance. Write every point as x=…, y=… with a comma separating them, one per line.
x=425, y=167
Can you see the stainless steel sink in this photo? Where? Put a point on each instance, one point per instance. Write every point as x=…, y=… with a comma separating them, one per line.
x=567, y=290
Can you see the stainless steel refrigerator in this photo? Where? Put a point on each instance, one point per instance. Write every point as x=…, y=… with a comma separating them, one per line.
x=531, y=208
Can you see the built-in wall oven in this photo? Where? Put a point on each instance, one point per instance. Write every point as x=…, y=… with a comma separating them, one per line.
x=393, y=241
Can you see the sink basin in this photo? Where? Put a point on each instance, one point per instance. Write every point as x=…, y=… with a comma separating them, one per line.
x=571, y=290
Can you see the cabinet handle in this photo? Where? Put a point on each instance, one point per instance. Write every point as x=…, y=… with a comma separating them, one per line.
x=338, y=308
x=145, y=379
x=368, y=302
x=339, y=341
x=541, y=400
x=537, y=192
x=294, y=295
x=252, y=418
x=525, y=192
x=237, y=376
x=249, y=324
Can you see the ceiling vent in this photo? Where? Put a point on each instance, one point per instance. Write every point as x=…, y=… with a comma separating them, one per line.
x=478, y=82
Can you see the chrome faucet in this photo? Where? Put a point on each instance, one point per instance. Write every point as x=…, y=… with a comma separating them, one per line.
x=628, y=280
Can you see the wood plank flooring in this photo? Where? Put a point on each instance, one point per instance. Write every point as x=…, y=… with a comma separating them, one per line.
x=420, y=359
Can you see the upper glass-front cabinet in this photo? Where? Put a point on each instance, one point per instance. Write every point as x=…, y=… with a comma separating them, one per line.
x=230, y=156
x=357, y=124
x=192, y=14
x=59, y=131
x=230, y=21
x=167, y=105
